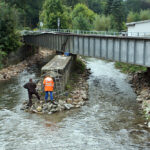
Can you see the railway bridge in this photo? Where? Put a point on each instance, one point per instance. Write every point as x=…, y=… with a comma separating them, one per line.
x=127, y=49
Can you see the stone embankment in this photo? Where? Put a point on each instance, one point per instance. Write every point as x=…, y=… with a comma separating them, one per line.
x=141, y=85
x=14, y=70
x=76, y=98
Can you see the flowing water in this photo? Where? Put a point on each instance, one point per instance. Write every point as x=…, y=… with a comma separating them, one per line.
x=110, y=120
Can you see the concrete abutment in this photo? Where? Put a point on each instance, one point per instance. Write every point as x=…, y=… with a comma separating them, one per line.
x=59, y=68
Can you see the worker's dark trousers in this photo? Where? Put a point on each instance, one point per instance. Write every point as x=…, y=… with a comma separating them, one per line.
x=30, y=97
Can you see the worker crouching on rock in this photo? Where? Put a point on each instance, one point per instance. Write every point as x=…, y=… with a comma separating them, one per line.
x=31, y=87
x=48, y=87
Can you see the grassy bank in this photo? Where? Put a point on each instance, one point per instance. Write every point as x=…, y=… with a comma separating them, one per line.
x=129, y=68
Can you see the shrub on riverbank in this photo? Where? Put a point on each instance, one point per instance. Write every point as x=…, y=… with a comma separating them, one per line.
x=80, y=66
x=129, y=68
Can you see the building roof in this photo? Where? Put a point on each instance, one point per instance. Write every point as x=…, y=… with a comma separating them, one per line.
x=138, y=22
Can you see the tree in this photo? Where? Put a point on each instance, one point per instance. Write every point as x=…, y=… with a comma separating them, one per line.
x=108, y=7
x=9, y=38
x=28, y=11
x=118, y=15
x=95, y=5
x=52, y=10
x=145, y=14
x=82, y=17
x=142, y=15
x=72, y=3
x=137, y=5
x=102, y=23
x=133, y=5
x=132, y=17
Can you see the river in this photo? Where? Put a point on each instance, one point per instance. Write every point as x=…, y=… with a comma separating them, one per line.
x=109, y=121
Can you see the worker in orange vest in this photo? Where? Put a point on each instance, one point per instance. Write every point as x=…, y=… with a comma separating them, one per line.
x=48, y=87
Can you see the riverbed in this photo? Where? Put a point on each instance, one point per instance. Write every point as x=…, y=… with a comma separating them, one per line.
x=110, y=120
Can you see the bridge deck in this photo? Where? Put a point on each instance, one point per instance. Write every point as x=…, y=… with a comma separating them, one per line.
x=133, y=50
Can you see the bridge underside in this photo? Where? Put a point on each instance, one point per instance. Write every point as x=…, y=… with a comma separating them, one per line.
x=133, y=50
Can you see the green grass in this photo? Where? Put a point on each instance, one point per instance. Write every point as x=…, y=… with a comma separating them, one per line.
x=128, y=68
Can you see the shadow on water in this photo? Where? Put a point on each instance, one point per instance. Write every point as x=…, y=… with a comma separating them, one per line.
x=110, y=120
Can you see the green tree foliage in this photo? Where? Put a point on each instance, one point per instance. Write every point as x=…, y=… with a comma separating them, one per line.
x=52, y=10
x=9, y=38
x=145, y=14
x=28, y=11
x=118, y=15
x=108, y=7
x=134, y=16
x=137, y=5
x=133, y=5
x=82, y=17
x=102, y=23
x=72, y=3
x=95, y=5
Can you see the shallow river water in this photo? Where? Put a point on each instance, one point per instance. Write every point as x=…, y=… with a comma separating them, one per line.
x=110, y=120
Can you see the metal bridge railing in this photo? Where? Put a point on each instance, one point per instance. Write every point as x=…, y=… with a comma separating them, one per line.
x=104, y=33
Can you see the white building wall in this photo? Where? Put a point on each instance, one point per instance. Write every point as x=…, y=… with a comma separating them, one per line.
x=142, y=29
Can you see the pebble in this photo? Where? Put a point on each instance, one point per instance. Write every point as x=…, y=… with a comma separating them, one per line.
x=68, y=106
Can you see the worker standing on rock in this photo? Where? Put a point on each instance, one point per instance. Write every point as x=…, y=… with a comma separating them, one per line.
x=31, y=87
x=48, y=87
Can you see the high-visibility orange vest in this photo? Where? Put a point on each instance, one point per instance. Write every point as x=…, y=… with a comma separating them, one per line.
x=48, y=84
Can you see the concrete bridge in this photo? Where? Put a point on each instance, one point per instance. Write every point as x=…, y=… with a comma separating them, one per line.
x=133, y=50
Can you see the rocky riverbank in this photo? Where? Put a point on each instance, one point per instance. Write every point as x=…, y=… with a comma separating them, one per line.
x=141, y=84
x=14, y=70
x=74, y=97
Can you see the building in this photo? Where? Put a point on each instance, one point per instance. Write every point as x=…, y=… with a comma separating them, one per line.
x=140, y=28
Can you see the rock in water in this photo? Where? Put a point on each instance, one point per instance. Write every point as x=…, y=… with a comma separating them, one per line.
x=39, y=109
x=69, y=101
x=45, y=107
x=68, y=106
x=139, y=99
x=149, y=124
